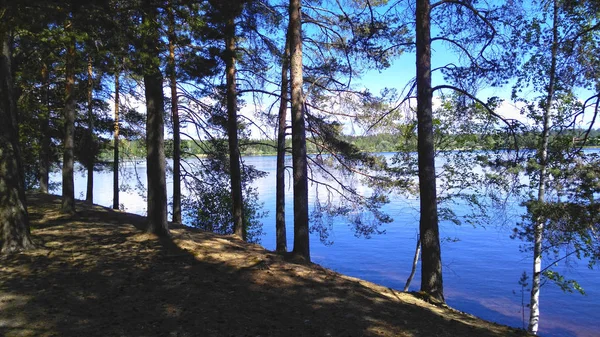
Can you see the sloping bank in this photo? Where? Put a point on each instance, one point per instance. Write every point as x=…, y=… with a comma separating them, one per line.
x=97, y=274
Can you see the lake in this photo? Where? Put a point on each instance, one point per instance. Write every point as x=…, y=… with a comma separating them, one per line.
x=481, y=269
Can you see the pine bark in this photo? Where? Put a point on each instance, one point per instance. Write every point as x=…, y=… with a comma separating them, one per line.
x=89, y=196
x=431, y=260
x=175, y=118
x=68, y=186
x=280, y=230
x=116, y=145
x=14, y=220
x=155, y=110
x=300, y=175
x=232, y=131
x=44, y=165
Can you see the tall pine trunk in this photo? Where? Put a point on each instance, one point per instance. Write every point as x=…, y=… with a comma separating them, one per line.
x=44, y=165
x=155, y=110
x=431, y=260
x=280, y=230
x=89, y=196
x=300, y=176
x=14, y=220
x=175, y=117
x=232, y=131
x=116, y=145
x=68, y=186
x=538, y=230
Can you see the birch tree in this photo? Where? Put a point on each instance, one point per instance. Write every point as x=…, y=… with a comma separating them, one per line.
x=559, y=45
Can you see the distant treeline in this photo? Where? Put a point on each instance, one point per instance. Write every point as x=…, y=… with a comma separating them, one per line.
x=382, y=142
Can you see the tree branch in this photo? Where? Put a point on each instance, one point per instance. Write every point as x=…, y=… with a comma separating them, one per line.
x=486, y=107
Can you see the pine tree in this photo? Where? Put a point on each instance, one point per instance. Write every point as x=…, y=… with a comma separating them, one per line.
x=14, y=220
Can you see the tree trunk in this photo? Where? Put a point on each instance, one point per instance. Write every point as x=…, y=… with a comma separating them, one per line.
x=538, y=231
x=44, y=166
x=89, y=196
x=68, y=186
x=14, y=220
x=155, y=110
x=281, y=237
x=232, y=129
x=414, y=265
x=175, y=117
x=116, y=146
x=300, y=176
x=431, y=260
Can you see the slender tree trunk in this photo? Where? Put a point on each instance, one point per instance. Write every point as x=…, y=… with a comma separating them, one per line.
x=89, y=196
x=281, y=237
x=175, y=117
x=431, y=260
x=14, y=220
x=300, y=176
x=155, y=110
x=68, y=186
x=116, y=145
x=414, y=265
x=44, y=166
x=232, y=129
x=538, y=231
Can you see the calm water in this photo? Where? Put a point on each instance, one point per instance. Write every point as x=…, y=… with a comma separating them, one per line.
x=481, y=270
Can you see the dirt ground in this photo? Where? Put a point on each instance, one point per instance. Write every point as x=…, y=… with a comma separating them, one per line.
x=97, y=274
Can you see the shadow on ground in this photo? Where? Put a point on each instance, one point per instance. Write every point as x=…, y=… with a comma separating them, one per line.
x=98, y=274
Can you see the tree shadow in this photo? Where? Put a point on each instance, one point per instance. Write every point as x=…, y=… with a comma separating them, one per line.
x=45, y=211
x=103, y=277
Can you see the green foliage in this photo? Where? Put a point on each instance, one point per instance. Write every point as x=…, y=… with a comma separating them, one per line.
x=571, y=216
x=555, y=181
x=337, y=166
x=564, y=284
x=209, y=203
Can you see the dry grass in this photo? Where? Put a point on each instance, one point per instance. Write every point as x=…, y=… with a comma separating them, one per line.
x=97, y=274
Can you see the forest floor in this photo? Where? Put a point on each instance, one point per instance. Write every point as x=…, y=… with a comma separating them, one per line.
x=96, y=273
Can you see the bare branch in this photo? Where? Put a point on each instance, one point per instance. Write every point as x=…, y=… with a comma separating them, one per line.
x=476, y=13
